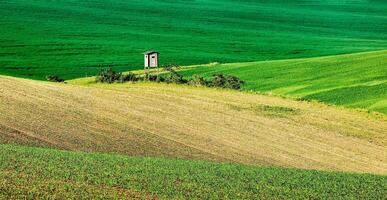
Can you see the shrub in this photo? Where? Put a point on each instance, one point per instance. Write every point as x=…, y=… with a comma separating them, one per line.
x=128, y=77
x=174, y=77
x=154, y=78
x=151, y=77
x=227, y=81
x=54, y=78
x=107, y=75
x=197, y=80
x=233, y=82
x=218, y=80
x=160, y=79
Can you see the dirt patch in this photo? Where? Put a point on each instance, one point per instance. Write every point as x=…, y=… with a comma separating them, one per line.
x=269, y=110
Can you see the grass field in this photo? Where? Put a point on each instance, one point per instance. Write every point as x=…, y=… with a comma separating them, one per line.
x=44, y=173
x=354, y=80
x=72, y=38
x=145, y=119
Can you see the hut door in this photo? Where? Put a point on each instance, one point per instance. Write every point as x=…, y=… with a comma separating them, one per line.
x=153, y=60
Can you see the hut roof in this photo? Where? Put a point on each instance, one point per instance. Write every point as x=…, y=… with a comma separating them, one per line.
x=150, y=52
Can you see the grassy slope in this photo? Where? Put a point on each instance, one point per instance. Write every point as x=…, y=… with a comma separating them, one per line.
x=353, y=80
x=42, y=173
x=191, y=123
x=71, y=38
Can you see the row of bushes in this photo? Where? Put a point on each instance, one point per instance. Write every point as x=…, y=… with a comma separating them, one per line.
x=109, y=76
x=219, y=80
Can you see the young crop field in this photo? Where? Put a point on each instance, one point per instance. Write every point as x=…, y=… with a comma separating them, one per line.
x=32, y=173
x=354, y=80
x=160, y=120
x=73, y=38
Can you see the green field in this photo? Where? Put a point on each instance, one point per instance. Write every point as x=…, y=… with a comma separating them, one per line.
x=27, y=172
x=354, y=80
x=73, y=38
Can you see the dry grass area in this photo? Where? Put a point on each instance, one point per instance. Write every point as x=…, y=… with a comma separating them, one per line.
x=191, y=123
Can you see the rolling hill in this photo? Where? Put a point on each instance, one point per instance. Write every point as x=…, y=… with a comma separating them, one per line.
x=354, y=80
x=45, y=173
x=157, y=120
x=278, y=138
x=73, y=38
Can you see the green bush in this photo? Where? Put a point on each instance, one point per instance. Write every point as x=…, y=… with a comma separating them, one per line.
x=174, y=77
x=151, y=77
x=128, y=77
x=219, y=80
x=107, y=75
x=160, y=79
x=233, y=82
x=226, y=81
x=197, y=80
x=54, y=78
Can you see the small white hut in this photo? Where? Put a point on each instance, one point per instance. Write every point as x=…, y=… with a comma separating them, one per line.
x=151, y=59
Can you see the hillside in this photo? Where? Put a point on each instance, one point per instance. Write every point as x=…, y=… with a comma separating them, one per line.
x=156, y=120
x=72, y=38
x=354, y=80
x=46, y=173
